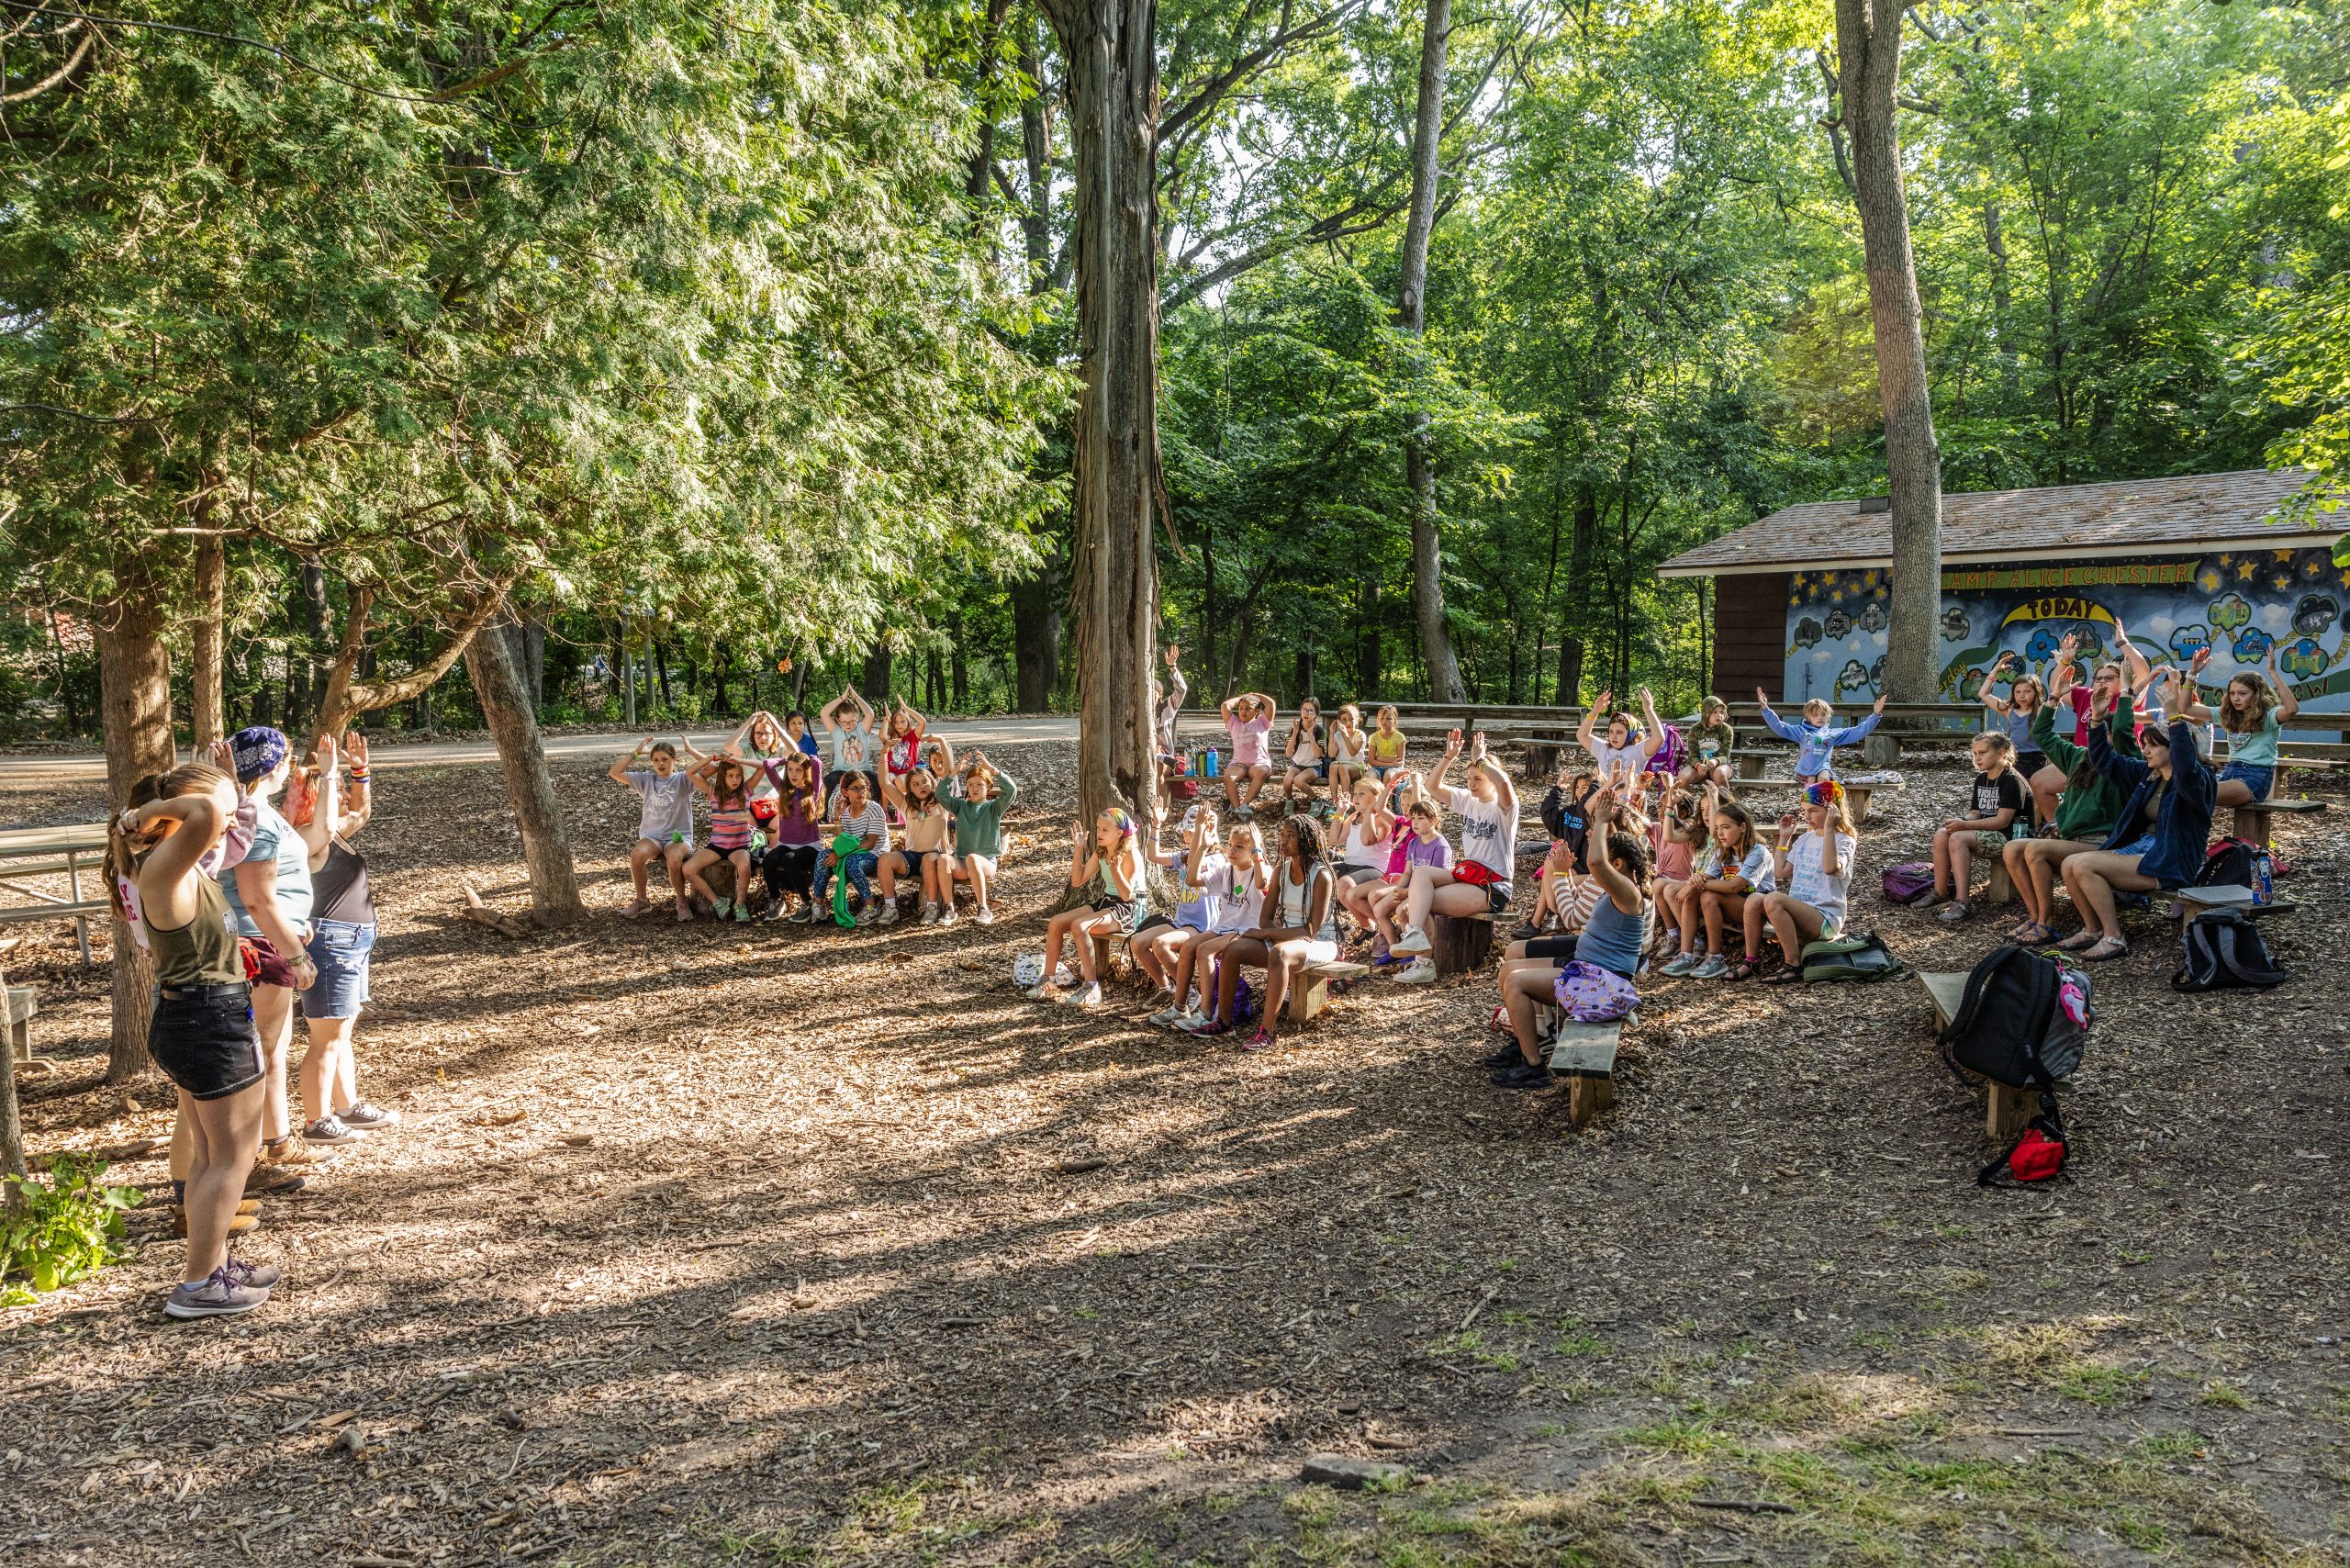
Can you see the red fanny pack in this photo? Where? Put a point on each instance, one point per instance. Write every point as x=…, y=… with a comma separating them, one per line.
x=2038, y=1156
x=1476, y=873
x=762, y=809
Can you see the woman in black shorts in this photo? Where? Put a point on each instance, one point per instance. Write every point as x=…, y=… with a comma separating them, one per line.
x=202, y=1034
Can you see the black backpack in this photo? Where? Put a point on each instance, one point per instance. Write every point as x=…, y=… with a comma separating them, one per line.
x=2222, y=950
x=2228, y=864
x=2023, y=1020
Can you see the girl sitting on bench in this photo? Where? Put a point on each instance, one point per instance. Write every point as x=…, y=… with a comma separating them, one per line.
x=1232, y=884
x=1614, y=938
x=1715, y=896
x=2254, y=711
x=2086, y=806
x=1294, y=932
x=1120, y=905
x=1817, y=738
x=1365, y=833
x=1997, y=806
x=1815, y=863
x=1710, y=744
x=2158, y=839
x=1480, y=882
x=2018, y=711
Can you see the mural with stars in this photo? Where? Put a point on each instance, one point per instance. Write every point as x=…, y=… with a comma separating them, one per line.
x=2242, y=604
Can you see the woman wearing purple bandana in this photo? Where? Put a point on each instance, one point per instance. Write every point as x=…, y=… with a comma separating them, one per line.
x=269, y=902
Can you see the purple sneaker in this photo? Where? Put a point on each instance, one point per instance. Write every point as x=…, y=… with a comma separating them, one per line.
x=220, y=1294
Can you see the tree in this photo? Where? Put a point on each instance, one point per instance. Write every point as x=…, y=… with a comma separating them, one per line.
x=1868, y=48
x=1427, y=550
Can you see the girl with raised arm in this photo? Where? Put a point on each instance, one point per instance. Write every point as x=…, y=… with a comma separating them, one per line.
x=977, y=796
x=2254, y=711
x=1613, y=938
x=789, y=863
x=664, y=819
x=1817, y=738
x=1813, y=863
x=727, y=781
x=2018, y=711
x=855, y=748
x=343, y=937
x=1113, y=868
x=1616, y=745
x=1248, y=721
x=2160, y=834
x=1305, y=753
x=2086, y=806
x=1479, y=883
x=201, y=1033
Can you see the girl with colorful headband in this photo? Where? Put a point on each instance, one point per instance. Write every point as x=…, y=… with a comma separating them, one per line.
x=1813, y=863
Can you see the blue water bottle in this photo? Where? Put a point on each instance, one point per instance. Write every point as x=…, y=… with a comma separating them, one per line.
x=2263, y=879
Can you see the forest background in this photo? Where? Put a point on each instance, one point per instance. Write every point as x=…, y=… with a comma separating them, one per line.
x=739, y=339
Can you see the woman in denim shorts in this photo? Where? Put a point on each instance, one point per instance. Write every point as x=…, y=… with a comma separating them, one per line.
x=342, y=935
x=202, y=1031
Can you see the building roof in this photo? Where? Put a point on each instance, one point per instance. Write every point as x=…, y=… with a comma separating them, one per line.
x=2124, y=517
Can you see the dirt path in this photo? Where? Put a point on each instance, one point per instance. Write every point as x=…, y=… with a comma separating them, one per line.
x=808, y=1247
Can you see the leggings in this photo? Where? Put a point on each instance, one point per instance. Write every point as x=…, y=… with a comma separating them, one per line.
x=790, y=868
x=856, y=868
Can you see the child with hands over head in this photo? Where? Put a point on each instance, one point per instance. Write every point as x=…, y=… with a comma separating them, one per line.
x=1479, y=883
x=1813, y=863
x=1613, y=938
x=1248, y=721
x=2160, y=833
x=1109, y=860
x=2254, y=711
x=977, y=796
x=665, y=821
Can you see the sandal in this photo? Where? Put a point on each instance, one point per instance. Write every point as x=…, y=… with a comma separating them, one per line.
x=2084, y=937
x=1744, y=969
x=1786, y=975
x=2032, y=934
x=2111, y=947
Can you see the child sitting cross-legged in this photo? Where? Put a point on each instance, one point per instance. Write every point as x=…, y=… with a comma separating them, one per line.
x=859, y=818
x=1113, y=866
x=1714, y=899
x=1814, y=866
x=1294, y=930
x=1998, y=811
x=1234, y=882
x=1613, y=938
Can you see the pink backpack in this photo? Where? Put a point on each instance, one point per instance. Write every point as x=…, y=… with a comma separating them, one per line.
x=1589, y=994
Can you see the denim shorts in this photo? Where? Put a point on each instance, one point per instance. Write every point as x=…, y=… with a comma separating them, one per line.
x=203, y=1038
x=2142, y=845
x=2257, y=777
x=340, y=948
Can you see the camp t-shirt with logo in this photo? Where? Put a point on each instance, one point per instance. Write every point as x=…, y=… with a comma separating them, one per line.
x=1993, y=796
x=1488, y=831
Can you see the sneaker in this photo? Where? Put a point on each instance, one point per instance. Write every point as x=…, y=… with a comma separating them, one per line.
x=270, y=1181
x=1206, y=1025
x=1712, y=969
x=889, y=913
x=983, y=915
x=684, y=910
x=1684, y=965
x=1504, y=1056
x=369, y=1117
x=1165, y=1018
x=722, y=907
x=1954, y=912
x=331, y=1129
x=1419, y=971
x=1525, y=1075
x=1043, y=991
x=805, y=915
x=867, y=915
x=255, y=1276
x=742, y=915
x=774, y=913
x=218, y=1295
x=1090, y=996
x=929, y=912
x=946, y=915
x=1262, y=1040
x=1413, y=940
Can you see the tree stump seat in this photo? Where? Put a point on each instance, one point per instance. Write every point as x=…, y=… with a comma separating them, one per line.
x=2252, y=818
x=1460, y=944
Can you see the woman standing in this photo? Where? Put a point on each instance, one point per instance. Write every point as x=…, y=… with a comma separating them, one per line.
x=202, y=1031
x=342, y=941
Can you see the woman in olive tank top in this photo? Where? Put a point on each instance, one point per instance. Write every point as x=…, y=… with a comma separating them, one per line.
x=202, y=1033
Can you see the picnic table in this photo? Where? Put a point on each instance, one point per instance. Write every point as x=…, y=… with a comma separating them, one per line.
x=28, y=854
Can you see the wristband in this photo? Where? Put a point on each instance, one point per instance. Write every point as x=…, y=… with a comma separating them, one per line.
x=359, y=776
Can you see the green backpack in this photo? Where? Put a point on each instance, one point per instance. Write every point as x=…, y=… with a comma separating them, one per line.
x=1861, y=957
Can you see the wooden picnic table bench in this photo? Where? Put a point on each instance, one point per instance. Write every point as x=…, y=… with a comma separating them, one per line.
x=1860, y=795
x=1584, y=1055
x=2252, y=818
x=28, y=853
x=1304, y=1002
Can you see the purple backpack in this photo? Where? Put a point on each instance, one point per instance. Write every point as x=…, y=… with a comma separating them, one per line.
x=1908, y=881
x=1670, y=754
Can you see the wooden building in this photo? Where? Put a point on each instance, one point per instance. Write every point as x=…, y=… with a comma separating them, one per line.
x=2184, y=564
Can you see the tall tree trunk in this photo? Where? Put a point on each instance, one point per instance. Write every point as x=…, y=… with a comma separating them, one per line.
x=958, y=673
x=661, y=669
x=12, y=1131
x=1113, y=132
x=135, y=708
x=1868, y=46
x=1036, y=641
x=308, y=669
x=1410, y=314
x=876, y=684
x=530, y=634
x=529, y=788
x=208, y=713
x=1370, y=658
x=1578, y=591
x=718, y=681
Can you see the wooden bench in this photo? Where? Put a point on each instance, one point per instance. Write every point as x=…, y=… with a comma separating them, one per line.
x=1311, y=994
x=1860, y=795
x=2005, y=1111
x=2252, y=817
x=2193, y=903
x=22, y=1004
x=1584, y=1055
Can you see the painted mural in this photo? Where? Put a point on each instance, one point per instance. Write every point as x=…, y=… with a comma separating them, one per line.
x=2242, y=604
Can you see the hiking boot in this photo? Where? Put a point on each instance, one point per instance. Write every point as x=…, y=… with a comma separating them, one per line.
x=369, y=1117
x=272, y=1180
x=291, y=1154
x=218, y=1294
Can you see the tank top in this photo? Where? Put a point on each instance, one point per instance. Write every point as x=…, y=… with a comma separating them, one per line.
x=1362, y=851
x=339, y=888
x=1292, y=902
x=202, y=952
x=1612, y=939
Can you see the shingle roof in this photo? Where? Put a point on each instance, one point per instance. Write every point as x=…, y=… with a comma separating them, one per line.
x=2119, y=517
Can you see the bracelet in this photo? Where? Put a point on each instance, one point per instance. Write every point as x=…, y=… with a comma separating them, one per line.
x=359, y=776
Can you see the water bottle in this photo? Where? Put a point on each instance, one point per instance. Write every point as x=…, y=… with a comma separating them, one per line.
x=2262, y=881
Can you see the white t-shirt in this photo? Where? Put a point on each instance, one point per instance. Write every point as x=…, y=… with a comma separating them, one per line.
x=1488, y=831
x=1204, y=896
x=1238, y=906
x=1808, y=885
x=855, y=748
x=1631, y=758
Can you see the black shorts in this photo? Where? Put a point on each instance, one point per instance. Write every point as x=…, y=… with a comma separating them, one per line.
x=2029, y=763
x=1153, y=923
x=203, y=1038
x=1557, y=949
x=1497, y=897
